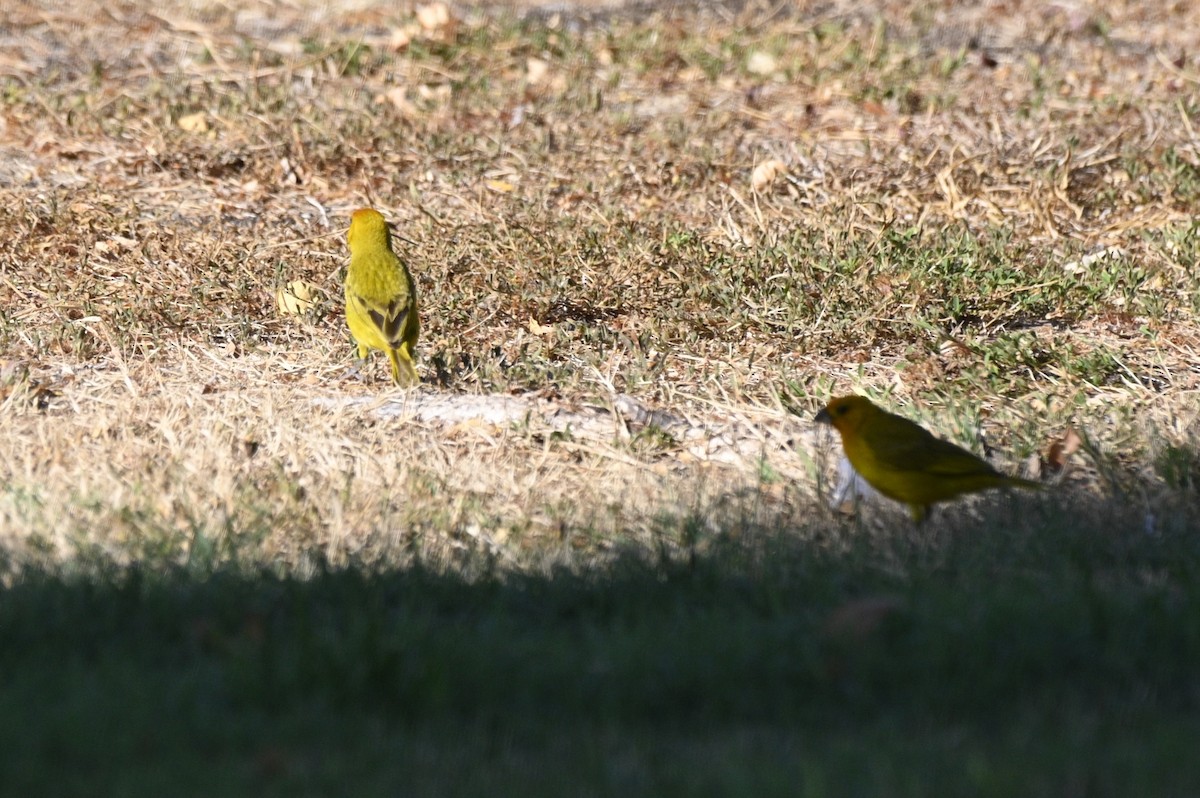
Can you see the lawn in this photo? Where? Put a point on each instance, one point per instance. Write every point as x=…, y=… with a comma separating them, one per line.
x=593, y=553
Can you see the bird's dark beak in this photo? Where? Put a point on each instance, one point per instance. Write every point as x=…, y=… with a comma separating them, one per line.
x=823, y=417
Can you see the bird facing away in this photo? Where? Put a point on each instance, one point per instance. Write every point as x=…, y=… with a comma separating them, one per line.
x=904, y=461
x=381, y=300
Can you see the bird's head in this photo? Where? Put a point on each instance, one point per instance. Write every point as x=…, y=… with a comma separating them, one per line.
x=368, y=229
x=846, y=412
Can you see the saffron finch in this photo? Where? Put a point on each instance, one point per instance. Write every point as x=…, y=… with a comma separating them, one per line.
x=904, y=461
x=381, y=300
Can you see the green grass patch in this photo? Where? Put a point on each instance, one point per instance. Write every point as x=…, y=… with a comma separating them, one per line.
x=1025, y=656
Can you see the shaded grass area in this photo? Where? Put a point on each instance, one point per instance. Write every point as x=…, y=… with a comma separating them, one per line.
x=983, y=219
x=1032, y=656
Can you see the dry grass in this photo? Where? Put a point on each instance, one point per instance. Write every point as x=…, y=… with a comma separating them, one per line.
x=577, y=198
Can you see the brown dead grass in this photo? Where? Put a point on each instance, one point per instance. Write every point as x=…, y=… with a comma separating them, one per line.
x=576, y=197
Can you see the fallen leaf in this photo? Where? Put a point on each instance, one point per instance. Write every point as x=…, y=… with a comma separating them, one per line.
x=1061, y=450
x=1083, y=264
x=761, y=63
x=296, y=298
x=115, y=244
x=501, y=186
x=291, y=172
x=439, y=93
x=398, y=97
x=766, y=173
x=194, y=123
x=474, y=428
x=536, y=70
x=433, y=16
x=400, y=38
x=952, y=347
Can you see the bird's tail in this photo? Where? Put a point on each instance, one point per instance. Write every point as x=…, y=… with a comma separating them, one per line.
x=404, y=373
x=1018, y=482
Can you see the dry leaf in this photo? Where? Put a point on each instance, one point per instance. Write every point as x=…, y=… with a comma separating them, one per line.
x=296, y=298
x=538, y=329
x=1061, y=450
x=398, y=97
x=766, y=173
x=500, y=186
x=433, y=16
x=536, y=70
x=438, y=94
x=194, y=123
x=761, y=63
x=400, y=38
x=950, y=347
x=517, y=118
x=291, y=172
x=115, y=244
x=473, y=428
x=287, y=46
x=1084, y=263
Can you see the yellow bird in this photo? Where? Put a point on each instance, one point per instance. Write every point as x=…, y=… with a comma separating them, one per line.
x=904, y=461
x=381, y=300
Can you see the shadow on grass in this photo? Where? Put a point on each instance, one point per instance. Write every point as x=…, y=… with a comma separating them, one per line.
x=1045, y=655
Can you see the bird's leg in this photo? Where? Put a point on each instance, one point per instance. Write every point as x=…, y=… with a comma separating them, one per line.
x=357, y=370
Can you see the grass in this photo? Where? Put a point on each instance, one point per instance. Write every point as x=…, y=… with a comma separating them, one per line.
x=231, y=561
x=1041, y=658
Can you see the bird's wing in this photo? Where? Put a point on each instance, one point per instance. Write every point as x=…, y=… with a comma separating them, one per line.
x=951, y=460
x=389, y=318
x=903, y=445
